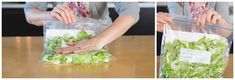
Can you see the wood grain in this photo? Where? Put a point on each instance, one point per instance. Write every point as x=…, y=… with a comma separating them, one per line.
x=134, y=58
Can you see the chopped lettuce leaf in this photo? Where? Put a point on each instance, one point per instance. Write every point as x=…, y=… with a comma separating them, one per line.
x=172, y=67
x=52, y=57
x=79, y=58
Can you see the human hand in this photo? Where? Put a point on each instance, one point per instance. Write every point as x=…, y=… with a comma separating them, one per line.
x=209, y=16
x=82, y=46
x=162, y=18
x=63, y=13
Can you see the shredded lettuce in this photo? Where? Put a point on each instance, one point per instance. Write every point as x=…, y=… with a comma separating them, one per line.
x=172, y=67
x=79, y=58
x=53, y=44
x=52, y=57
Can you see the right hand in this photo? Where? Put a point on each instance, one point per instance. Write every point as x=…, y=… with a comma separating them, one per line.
x=63, y=13
x=162, y=18
x=87, y=45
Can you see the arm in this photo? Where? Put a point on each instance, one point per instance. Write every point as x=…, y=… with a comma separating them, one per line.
x=174, y=8
x=162, y=19
x=35, y=13
x=219, y=16
x=128, y=16
x=116, y=30
x=223, y=9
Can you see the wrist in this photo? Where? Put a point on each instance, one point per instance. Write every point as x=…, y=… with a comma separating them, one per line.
x=98, y=42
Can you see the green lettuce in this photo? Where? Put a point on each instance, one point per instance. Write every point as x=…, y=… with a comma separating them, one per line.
x=50, y=55
x=172, y=67
x=79, y=58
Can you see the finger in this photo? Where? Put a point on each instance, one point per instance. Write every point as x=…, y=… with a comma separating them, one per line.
x=160, y=28
x=202, y=19
x=215, y=17
x=59, y=50
x=67, y=11
x=62, y=14
x=168, y=19
x=66, y=52
x=160, y=25
x=161, y=21
x=62, y=50
x=198, y=19
x=58, y=11
x=71, y=43
x=73, y=17
x=165, y=18
x=209, y=14
x=163, y=14
x=55, y=14
x=70, y=50
x=201, y=15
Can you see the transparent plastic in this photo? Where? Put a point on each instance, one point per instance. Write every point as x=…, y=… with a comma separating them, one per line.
x=57, y=35
x=191, y=51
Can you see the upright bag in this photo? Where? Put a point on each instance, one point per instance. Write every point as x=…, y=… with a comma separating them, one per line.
x=190, y=51
x=57, y=34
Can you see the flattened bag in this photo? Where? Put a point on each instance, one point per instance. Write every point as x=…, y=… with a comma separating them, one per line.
x=190, y=51
x=57, y=34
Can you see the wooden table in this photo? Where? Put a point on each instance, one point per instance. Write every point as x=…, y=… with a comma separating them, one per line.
x=228, y=73
x=134, y=58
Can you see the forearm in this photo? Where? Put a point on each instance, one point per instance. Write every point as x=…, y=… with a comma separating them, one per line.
x=36, y=16
x=116, y=30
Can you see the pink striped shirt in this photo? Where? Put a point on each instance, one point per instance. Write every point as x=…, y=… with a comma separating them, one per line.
x=196, y=8
x=81, y=9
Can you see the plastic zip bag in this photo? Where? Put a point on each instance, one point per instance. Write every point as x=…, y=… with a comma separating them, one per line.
x=190, y=51
x=57, y=34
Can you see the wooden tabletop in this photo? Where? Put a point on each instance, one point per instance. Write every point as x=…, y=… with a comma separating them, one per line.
x=134, y=58
x=228, y=73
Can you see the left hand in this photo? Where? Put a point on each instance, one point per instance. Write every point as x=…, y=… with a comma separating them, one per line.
x=209, y=16
x=87, y=45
